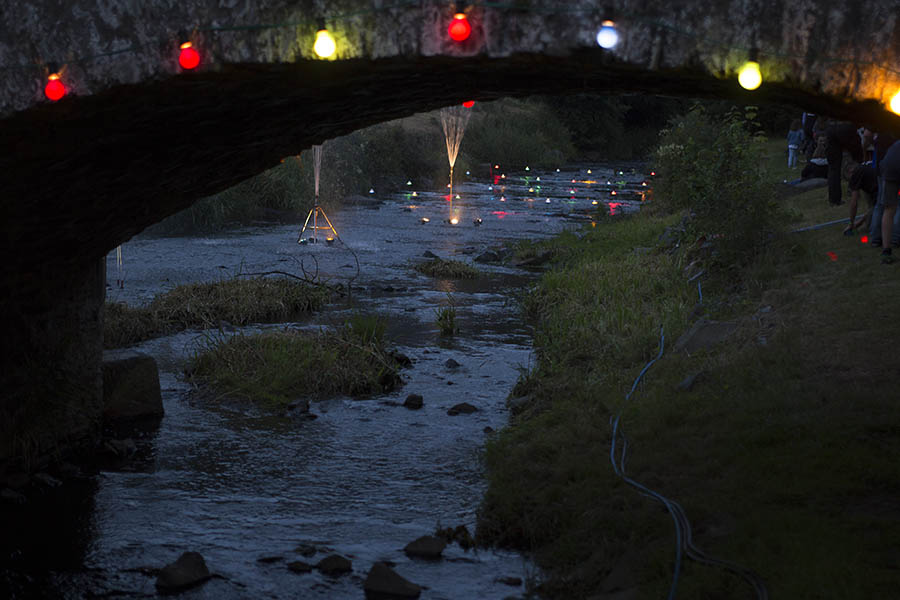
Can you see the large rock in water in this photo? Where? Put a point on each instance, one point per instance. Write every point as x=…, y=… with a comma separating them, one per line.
x=130, y=385
x=334, y=565
x=426, y=546
x=383, y=583
x=189, y=570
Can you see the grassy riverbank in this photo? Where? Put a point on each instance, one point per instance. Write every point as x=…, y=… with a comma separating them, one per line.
x=782, y=453
x=237, y=301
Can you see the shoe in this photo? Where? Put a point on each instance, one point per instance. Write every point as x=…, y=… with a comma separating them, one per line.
x=886, y=257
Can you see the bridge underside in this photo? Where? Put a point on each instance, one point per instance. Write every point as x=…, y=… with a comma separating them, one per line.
x=83, y=175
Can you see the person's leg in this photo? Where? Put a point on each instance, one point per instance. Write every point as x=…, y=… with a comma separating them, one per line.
x=889, y=195
x=854, y=202
x=875, y=225
x=891, y=188
x=835, y=155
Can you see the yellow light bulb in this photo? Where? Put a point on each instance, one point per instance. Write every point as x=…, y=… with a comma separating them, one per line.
x=750, y=78
x=895, y=103
x=324, y=46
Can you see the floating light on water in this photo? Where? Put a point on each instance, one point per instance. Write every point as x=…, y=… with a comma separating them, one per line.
x=607, y=37
x=652, y=173
x=589, y=171
x=459, y=29
x=538, y=179
x=371, y=190
x=324, y=46
x=571, y=191
x=329, y=240
x=749, y=76
x=503, y=176
x=415, y=195
x=530, y=190
x=548, y=200
x=502, y=199
x=454, y=220
x=527, y=168
x=188, y=58
x=644, y=183
x=621, y=173
x=594, y=202
x=895, y=103
x=490, y=188
x=54, y=90
x=457, y=196
x=612, y=193
x=408, y=182
x=496, y=166
x=425, y=220
x=477, y=222
x=557, y=170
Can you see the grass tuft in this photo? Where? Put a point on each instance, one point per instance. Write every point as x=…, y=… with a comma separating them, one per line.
x=273, y=369
x=235, y=301
x=447, y=269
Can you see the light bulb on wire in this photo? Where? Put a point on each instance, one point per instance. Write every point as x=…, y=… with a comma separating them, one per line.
x=608, y=36
x=54, y=90
x=188, y=58
x=459, y=29
x=324, y=46
x=749, y=76
x=895, y=103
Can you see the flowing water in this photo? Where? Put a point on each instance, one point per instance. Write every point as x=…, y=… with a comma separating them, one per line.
x=367, y=476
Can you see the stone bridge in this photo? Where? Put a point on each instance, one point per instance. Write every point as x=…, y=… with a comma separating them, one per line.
x=137, y=138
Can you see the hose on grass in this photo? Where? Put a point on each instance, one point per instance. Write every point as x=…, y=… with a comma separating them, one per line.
x=684, y=542
x=821, y=225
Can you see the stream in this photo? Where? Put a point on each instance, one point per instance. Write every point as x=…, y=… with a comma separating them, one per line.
x=366, y=476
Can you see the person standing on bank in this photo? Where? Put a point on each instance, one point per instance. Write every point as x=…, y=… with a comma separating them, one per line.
x=888, y=189
x=794, y=140
x=841, y=137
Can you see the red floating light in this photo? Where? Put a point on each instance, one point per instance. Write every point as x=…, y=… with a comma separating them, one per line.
x=54, y=90
x=459, y=28
x=469, y=103
x=188, y=58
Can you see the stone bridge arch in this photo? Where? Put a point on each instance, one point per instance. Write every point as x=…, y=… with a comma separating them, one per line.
x=137, y=139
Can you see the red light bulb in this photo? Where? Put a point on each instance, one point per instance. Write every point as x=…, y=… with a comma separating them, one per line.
x=459, y=29
x=469, y=103
x=54, y=90
x=188, y=58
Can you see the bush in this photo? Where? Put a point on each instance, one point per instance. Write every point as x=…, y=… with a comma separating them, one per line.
x=716, y=169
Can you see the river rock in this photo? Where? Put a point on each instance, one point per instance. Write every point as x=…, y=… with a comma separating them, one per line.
x=130, y=385
x=189, y=570
x=383, y=583
x=298, y=566
x=426, y=546
x=430, y=254
x=401, y=359
x=414, y=402
x=307, y=550
x=463, y=408
x=334, y=565
x=487, y=257
x=452, y=364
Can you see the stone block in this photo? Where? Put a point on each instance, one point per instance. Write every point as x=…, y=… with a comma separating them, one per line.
x=130, y=386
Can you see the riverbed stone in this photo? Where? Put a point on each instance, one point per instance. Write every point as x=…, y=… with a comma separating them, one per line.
x=334, y=565
x=189, y=570
x=426, y=546
x=463, y=408
x=298, y=566
x=383, y=583
x=307, y=550
x=414, y=402
x=452, y=364
x=130, y=386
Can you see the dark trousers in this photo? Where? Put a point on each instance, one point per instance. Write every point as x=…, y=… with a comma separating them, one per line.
x=835, y=155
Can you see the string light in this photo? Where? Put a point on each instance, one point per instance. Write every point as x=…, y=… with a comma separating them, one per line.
x=749, y=77
x=608, y=36
x=459, y=29
x=324, y=46
x=54, y=90
x=188, y=58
